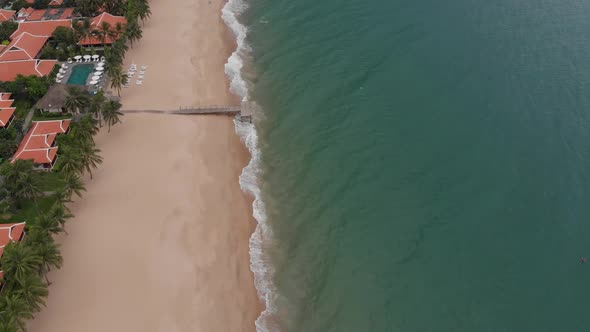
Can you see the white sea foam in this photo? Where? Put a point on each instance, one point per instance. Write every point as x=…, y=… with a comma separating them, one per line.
x=249, y=179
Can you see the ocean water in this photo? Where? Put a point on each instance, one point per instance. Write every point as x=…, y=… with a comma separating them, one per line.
x=417, y=165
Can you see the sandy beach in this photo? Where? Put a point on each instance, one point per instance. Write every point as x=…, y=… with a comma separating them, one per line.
x=160, y=240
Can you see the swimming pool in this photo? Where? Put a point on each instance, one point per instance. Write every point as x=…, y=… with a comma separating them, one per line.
x=80, y=73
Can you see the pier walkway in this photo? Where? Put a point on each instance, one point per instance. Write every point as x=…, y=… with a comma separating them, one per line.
x=245, y=111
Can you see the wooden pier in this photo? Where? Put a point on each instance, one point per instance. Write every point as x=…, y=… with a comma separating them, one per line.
x=245, y=111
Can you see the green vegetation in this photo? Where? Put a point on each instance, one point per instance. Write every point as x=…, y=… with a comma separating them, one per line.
x=62, y=45
x=40, y=198
x=26, y=88
x=6, y=29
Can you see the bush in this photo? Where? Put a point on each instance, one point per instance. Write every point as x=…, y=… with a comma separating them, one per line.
x=7, y=148
x=27, y=88
x=6, y=29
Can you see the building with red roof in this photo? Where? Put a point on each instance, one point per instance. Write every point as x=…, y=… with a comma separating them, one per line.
x=24, y=47
x=48, y=14
x=51, y=3
x=6, y=15
x=39, y=143
x=96, y=25
x=9, y=70
x=6, y=111
x=40, y=28
x=10, y=233
x=5, y=100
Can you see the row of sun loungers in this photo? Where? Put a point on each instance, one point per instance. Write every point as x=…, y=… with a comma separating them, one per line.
x=140, y=75
x=86, y=58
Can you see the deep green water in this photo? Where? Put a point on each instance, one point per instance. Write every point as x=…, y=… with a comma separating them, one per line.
x=425, y=164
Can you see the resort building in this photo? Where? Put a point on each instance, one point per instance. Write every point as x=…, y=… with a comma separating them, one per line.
x=96, y=26
x=21, y=55
x=6, y=15
x=25, y=47
x=40, y=28
x=6, y=111
x=10, y=233
x=39, y=143
x=52, y=3
x=49, y=14
x=10, y=69
x=54, y=100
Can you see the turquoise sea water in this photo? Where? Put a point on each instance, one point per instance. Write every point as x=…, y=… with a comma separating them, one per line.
x=418, y=165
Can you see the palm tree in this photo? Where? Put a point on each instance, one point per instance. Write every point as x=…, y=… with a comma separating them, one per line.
x=60, y=213
x=47, y=223
x=83, y=29
x=96, y=105
x=70, y=161
x=118, y=31
x=118, y=79
x=34, y=291
x=120, y=47
x=7, y=324
x=89, y=7
x=15, y=310
x=113, y=57
x=21, y=182
x=104, y=31
x=133, y=31
x=76, y=100
x=73, y=185
x=50, y=257
x=18, y=261
x=90, y=156
x=87, y=127
x=111, y=113
x=143, y=10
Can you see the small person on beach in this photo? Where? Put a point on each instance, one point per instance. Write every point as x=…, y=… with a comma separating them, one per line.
x=583, y=260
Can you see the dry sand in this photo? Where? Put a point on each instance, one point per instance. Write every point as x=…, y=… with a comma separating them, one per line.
x=160, y=240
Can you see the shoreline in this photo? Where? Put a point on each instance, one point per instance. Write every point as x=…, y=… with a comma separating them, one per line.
x=170, y=182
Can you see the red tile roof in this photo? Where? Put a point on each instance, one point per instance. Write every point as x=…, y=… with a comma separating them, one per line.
x=38, y=156
x=51, y=3
x=5, y=116
x=10, y=233
x=51, y=127
x=25, y=47
x=96, y=24
x=40, y=28
x=6, y=15
x=5, y=100
x=48, y=14
x=6, y=111
x=38, y=142
x=10, y=69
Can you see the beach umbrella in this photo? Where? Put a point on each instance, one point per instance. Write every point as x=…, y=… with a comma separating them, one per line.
x=97, y=73
x=95, y=78
x=64, y=66
x=62, y=71
x=93, y=82
x=99, y=68
x=87, y=57
x=60, y=75
x=95, y=56
x=78, y=57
